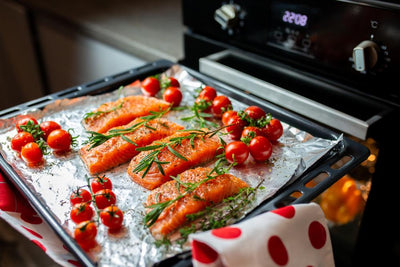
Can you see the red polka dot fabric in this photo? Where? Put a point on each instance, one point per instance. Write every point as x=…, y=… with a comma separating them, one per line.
x=295, y=235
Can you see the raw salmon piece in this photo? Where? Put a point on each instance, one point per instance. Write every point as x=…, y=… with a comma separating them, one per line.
x=122, y=111
x=203, y=150
x=116, y=150
x=211, y=192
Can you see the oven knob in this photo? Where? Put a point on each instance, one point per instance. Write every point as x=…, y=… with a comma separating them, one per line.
x=227, y=16
x=365, y=55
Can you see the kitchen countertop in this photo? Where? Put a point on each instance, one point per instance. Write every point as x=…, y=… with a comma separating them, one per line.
x=149, y=30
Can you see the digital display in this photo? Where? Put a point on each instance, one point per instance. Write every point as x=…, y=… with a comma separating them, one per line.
x=295, y=18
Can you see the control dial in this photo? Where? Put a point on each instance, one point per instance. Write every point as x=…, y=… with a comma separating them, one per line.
x=227, y=16
x=365, y=55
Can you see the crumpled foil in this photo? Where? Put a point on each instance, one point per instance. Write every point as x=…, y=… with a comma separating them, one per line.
x=54, y=181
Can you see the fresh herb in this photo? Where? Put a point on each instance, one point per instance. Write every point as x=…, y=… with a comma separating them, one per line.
x=199, y=117
x=100, y=112
x=260, y=123
x=95, y=139
x=156, y=148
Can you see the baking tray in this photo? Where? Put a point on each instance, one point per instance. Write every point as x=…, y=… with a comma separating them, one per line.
x=353, y=151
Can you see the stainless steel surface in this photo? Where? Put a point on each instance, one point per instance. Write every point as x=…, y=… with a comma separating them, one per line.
x=285, y=98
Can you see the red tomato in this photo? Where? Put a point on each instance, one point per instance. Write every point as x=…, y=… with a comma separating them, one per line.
x=47, y=127
x=112, y=217
x=24, y=121
x=260, y=148
x=227, y=115
x=32, y=154
x=208, y=93
x=173, y=95
x=150, y=86
x=20, y=140
x=249, y=132
x=85, y=234
x=100, y=183
x=273, y=131
x=203, y=104
x=81, y=212
x=80, y=195
x=236, y=151
x=235, y=127
x=105, y=198
x=59, y=140
x=173, y=82
x=254, y=112
x=219, y=105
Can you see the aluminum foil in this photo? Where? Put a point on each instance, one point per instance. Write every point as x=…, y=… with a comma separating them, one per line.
x=54, y=181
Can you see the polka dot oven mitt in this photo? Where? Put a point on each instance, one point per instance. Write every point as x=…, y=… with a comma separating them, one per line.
x=294, y=235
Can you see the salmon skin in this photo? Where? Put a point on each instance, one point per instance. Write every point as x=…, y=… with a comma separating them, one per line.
x=117, y=150
x=121, y=112
x=192, y=149
x=209, y=192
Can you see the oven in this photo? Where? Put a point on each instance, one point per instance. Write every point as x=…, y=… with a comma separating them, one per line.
x=334, y=62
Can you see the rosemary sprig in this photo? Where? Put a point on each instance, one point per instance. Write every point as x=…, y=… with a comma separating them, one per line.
x=199, y=117
x=146, y=163
x=156, y=209
x=95, y=139
x=100, y=112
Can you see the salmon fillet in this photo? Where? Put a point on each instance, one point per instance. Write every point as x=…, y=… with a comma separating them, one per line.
x=116, y=150
x=198, y=151
x=122, y=111
x=211, y=192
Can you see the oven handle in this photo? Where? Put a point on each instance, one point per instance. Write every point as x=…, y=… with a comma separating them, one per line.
x=211, y=66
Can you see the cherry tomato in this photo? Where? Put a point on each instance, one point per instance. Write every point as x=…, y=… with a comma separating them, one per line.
x=32, y=154
x=227, y=115
x=100, y=183
x=173, y=95
x=173, y=82
x=208, y=93
x=254, y=112
x=80, y=195
x=112, y=217
x=104, y=198
x=260, y=148
x=150, y=86
x=249, y=132
x=219, y=105
x=235, y=126
x=81, y=212
x=203, y=104
x=47, y=127
x=85, y=234
x=236, y=151
x=24, y=121
x=59, y=140
x=20, y=140
x=273, y=131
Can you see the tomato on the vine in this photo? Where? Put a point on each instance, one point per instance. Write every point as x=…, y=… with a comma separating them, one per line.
x=260, y=148
x=150, y=86
x=235, y=127
x=236, y=151
x=112, y=217
x=81, y=212
x=273, y=131
x=85, y=234
x=208, y=93
x=47, y=127
x=254, y=112
x=173, y=82
x=220, y=104
x=249, y=132
x=32, y=154
x=80, y=195
x=59, y=140
x=227, y=115
x=105, y=198
x=100, y=183
x=20, y=140
x=25, y=121
x=173, y=95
